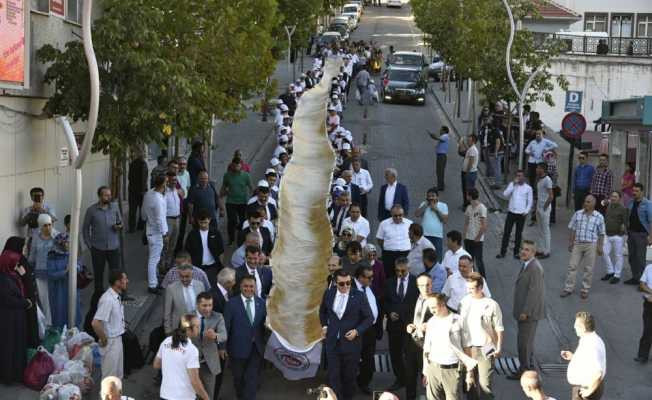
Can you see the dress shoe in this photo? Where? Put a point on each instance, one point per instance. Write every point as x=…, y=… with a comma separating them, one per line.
x=613, y=280
x=395, y=386
x=501, y=255
x=640, y=360
x=365, y=389
x=607, y=277
x=155, y=290
x=565, y=293
x=631, y=282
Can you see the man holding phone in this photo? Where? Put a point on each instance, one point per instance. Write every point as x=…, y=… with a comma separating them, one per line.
x=101, y=232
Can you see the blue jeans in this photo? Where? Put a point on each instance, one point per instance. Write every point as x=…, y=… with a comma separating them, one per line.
x=497, y=164
x=438, y=243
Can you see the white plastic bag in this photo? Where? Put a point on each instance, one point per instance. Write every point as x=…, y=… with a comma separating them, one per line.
x=76, y=341
x=69, y=392
x=357, y=94
x=40, y=318
x=49, y=391
x=59, y=356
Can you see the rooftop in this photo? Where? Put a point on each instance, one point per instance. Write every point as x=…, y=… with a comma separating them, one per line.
x=550, y=10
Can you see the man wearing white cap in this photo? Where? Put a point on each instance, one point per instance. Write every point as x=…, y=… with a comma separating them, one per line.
x=337, y=104
x=271, y=177
x=263, y=183
x=263, y=200
x=282, y=109
x=282, y=146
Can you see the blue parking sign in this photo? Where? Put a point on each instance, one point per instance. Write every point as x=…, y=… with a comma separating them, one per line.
x=573, y=101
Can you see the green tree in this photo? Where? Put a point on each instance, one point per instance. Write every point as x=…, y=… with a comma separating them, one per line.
x=165, y=67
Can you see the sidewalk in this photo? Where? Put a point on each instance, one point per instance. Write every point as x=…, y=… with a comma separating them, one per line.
x=617, y=307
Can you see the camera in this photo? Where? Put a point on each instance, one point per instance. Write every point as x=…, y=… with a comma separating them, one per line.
x=318, y=392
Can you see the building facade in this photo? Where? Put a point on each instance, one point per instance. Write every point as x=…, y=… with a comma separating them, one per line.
x=622, y=18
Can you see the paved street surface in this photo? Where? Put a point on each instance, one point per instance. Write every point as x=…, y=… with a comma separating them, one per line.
x=395, y=136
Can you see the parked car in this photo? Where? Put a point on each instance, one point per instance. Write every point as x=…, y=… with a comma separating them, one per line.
x=407, y=59
x=352, y=9
x=327, y=38
x=351, y=21
x=394, y=3
x=342, y=28
x=404, y=84
x=437, y=68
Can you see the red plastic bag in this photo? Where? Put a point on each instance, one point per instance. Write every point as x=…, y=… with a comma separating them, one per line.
x=38, y=370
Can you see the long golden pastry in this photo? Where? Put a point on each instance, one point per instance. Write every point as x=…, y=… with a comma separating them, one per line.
x=304, y=240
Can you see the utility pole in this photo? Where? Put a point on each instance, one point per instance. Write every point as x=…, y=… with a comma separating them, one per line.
x=520, y=94
x=289, y=30
x=78, y=157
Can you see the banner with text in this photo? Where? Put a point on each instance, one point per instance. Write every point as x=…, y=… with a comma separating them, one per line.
x=293, y=365
x=13, y=54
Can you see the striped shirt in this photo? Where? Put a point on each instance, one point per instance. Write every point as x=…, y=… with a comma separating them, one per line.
x=587, y=227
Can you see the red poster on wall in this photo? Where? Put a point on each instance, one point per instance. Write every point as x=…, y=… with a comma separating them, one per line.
x=57, y=8
x=13, y=31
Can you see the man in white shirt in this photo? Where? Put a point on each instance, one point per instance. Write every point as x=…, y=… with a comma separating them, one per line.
x=419, y=243
x=532, y=386
x=155, y=211
x=482, y=323
x=470, y=166
x=363, y=277
x=173, y=196
x=394, y=239
x=358, y=223
x=475, y=226
x=456, y=288
x=362, y=178
x=454, y=252
x=519, y=194
x=109, y=324
x=544, y=202
x=535, y=150
x=588, y=365
x=441, y=350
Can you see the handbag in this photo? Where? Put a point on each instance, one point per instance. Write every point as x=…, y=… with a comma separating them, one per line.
x=38, y=370
x=84, y=277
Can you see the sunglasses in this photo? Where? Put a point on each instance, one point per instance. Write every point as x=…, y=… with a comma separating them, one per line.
x=342, y=284
x=254, y=223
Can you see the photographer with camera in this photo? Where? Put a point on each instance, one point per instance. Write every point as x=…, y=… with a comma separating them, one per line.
x=29, y=216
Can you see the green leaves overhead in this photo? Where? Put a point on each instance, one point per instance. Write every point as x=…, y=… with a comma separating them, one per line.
x=472, y=36
x=165, y=66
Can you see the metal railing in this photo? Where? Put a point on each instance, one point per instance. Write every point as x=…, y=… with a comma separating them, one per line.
x=611, y=45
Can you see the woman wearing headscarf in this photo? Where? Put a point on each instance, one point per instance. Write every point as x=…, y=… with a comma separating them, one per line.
x=57, y=272
x=16, y=245
x=38, y=257
x=13, y=351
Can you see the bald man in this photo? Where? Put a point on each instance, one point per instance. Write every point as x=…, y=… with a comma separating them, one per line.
x=333, y=264
x=532, y=386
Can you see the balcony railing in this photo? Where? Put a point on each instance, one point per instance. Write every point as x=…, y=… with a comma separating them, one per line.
x=611, y=45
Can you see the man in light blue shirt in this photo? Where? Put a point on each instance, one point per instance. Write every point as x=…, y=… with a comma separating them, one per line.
x=433, y=268
x=442, y=151
x=434, y=214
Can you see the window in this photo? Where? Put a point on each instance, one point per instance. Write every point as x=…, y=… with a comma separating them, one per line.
x=41, y=6
x=595, y=22
x=74, y=10
x=621, y=25
x=644, y=25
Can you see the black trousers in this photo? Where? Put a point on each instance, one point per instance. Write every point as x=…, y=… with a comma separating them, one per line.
x=397, y=339
x=366, y=368
x=389, y=258
x=342, y=372
x=363, y=205
x=245, y=374
x=441, y=171
x=532, y=179
x=99, y=259
x=475, y=250
x=413, y=367
x=135, y=203
x=519, y=220
x=211, y=273
x=235, y=217
x=525, y=343
x=578, y=197
x=646, y=338
x=465, y=202
x=637, y=248
x=182, y=229
x=553, y=210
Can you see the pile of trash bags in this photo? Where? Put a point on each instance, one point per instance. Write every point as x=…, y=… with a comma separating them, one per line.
x=62, y=367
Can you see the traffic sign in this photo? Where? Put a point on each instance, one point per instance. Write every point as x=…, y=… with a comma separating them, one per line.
x=573, y=101
x=573, y=125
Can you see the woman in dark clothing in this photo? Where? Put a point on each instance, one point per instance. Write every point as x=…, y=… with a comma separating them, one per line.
x=13, y=352
x=16, y=244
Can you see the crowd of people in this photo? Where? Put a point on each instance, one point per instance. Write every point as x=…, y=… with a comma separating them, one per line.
x=444, y=330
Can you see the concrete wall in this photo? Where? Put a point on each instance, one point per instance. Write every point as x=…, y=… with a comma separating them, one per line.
x=599, y=78
x=29, y=150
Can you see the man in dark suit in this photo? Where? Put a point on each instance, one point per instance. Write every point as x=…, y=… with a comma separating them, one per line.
x=203, y=237
x=262, y=194
x=528, y=305
x=253, y=267
x=399, y=303
x=255, y=220
x=398, y=194
x=244, y=317
x=223, y=289
x=352, y=188
x=345, y=316
x=364, y=274
x=137, y=187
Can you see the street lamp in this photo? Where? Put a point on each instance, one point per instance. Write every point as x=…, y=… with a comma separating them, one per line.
x=289, y=30
x=520, y=94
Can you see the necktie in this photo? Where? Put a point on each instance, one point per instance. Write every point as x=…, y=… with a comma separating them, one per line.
x=340, y=306
x=249, y=312
x=201, y=329
x=401, y=289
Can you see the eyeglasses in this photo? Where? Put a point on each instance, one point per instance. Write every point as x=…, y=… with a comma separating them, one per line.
x=342, y=284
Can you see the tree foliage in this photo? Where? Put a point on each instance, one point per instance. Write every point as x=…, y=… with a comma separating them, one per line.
x=165, y=67
x=472, y=36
